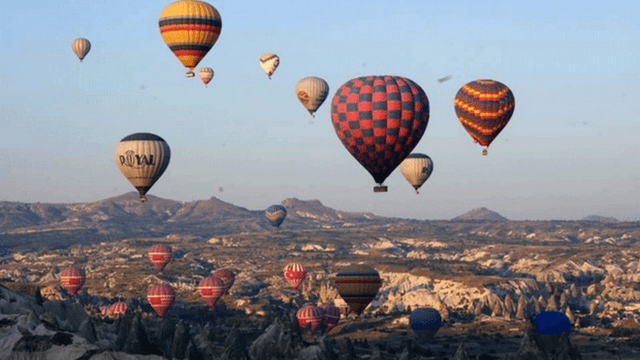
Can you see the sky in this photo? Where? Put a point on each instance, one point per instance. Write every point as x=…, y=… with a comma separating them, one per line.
x=570, y=150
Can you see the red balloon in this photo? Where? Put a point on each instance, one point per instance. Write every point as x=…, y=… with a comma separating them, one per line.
x=331, y=316
x=72, y=279
x=310, y=315
x=295, y=274
x=160, y=255
x=160, y=297
x=379, y=120
x=117, y=309
x=212, y=288
x=226, y=276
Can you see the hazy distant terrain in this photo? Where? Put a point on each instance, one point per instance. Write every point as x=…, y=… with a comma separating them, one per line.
x=485, y=272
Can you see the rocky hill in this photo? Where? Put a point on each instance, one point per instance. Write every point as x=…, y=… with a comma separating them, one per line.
x=480, y=214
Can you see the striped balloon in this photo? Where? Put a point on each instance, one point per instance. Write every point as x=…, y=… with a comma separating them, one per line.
x=160, y=255
x=379, y=120
x=331, y=316
x=160, y=297
x=295, y=274
x=142, y=158
x=211, y=288
x=72, y=279
x=310, y=315
x=226, y=276
x=312, y=92
x=81, y=47
x=276, y=215
x=269, y=63
x=190, y=28
x=484, y=107
x=116, y=310
x=358, y=285
x=205, y=74
x=416, y=169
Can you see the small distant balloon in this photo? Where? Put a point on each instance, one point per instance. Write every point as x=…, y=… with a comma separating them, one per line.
x=72, y=279
x=446, y=78
x=161, y=297
x=160, y=255
x=212, y=288
x=425, y=322
x=358, y=285
x=276, y=215
x=416, y=169
x=312, y=92
x=310, y=315
x=227, y=276
x=116, y=310
x=269, y=63
x=205, y=74
x=221, y=189
x=81, y=47
x=295, y=274
x=331, y=316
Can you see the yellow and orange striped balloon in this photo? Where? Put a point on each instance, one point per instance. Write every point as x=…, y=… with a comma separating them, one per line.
x=190, y=28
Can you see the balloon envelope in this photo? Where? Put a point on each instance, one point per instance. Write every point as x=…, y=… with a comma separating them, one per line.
x=205, y=74
x=416, y=169
x=310, y=315
x=379, y=120
x=295, y=274
x=358, y=285
x=161, y=297
x=552, y=323
x=484, y=107
x=81, y=47
x=142, y=158
x=72, y=279
x=269, y=63
x=190, y=28
x=212, y=288
x=276, y=215
x=331, y=316
x=425, y=321
x=160, y=255
x=226, y=276
x=312, y=92
x=116, y=310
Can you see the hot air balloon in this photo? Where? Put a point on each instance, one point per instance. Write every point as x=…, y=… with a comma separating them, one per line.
x=142, y=158
x=205, y=74
x=416, y=169
x=190, y=28
x=312, y=92
x=380, y=119
x=295, y=274
x=425, y=322
x=72, y=279
x=117, y=309
x=227, y=278
x=81, y=47
x=211, y=288
x=331, y=316
x=358, y=285
x=550, y=327
x=160, y=297
x=484, y=107
x=269, y=63
x=310, y=315
x=160, y=255
x=276, y=215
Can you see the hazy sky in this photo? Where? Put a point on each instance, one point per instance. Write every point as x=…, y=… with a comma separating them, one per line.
x=570, y=150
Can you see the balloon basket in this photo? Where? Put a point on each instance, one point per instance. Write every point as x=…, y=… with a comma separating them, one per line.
x=190, y=74
x=380, y=188
x=485, y=152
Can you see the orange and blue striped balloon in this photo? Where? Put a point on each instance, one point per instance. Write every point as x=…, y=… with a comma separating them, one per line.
x=484, y=107
x=190, y=28
x=358, y=285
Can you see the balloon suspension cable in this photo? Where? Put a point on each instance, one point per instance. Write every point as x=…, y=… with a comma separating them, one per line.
x=485, y=152
x=312, y=116
x=417, y=192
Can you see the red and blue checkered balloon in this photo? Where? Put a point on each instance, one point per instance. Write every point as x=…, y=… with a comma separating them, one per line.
x=380, y=119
